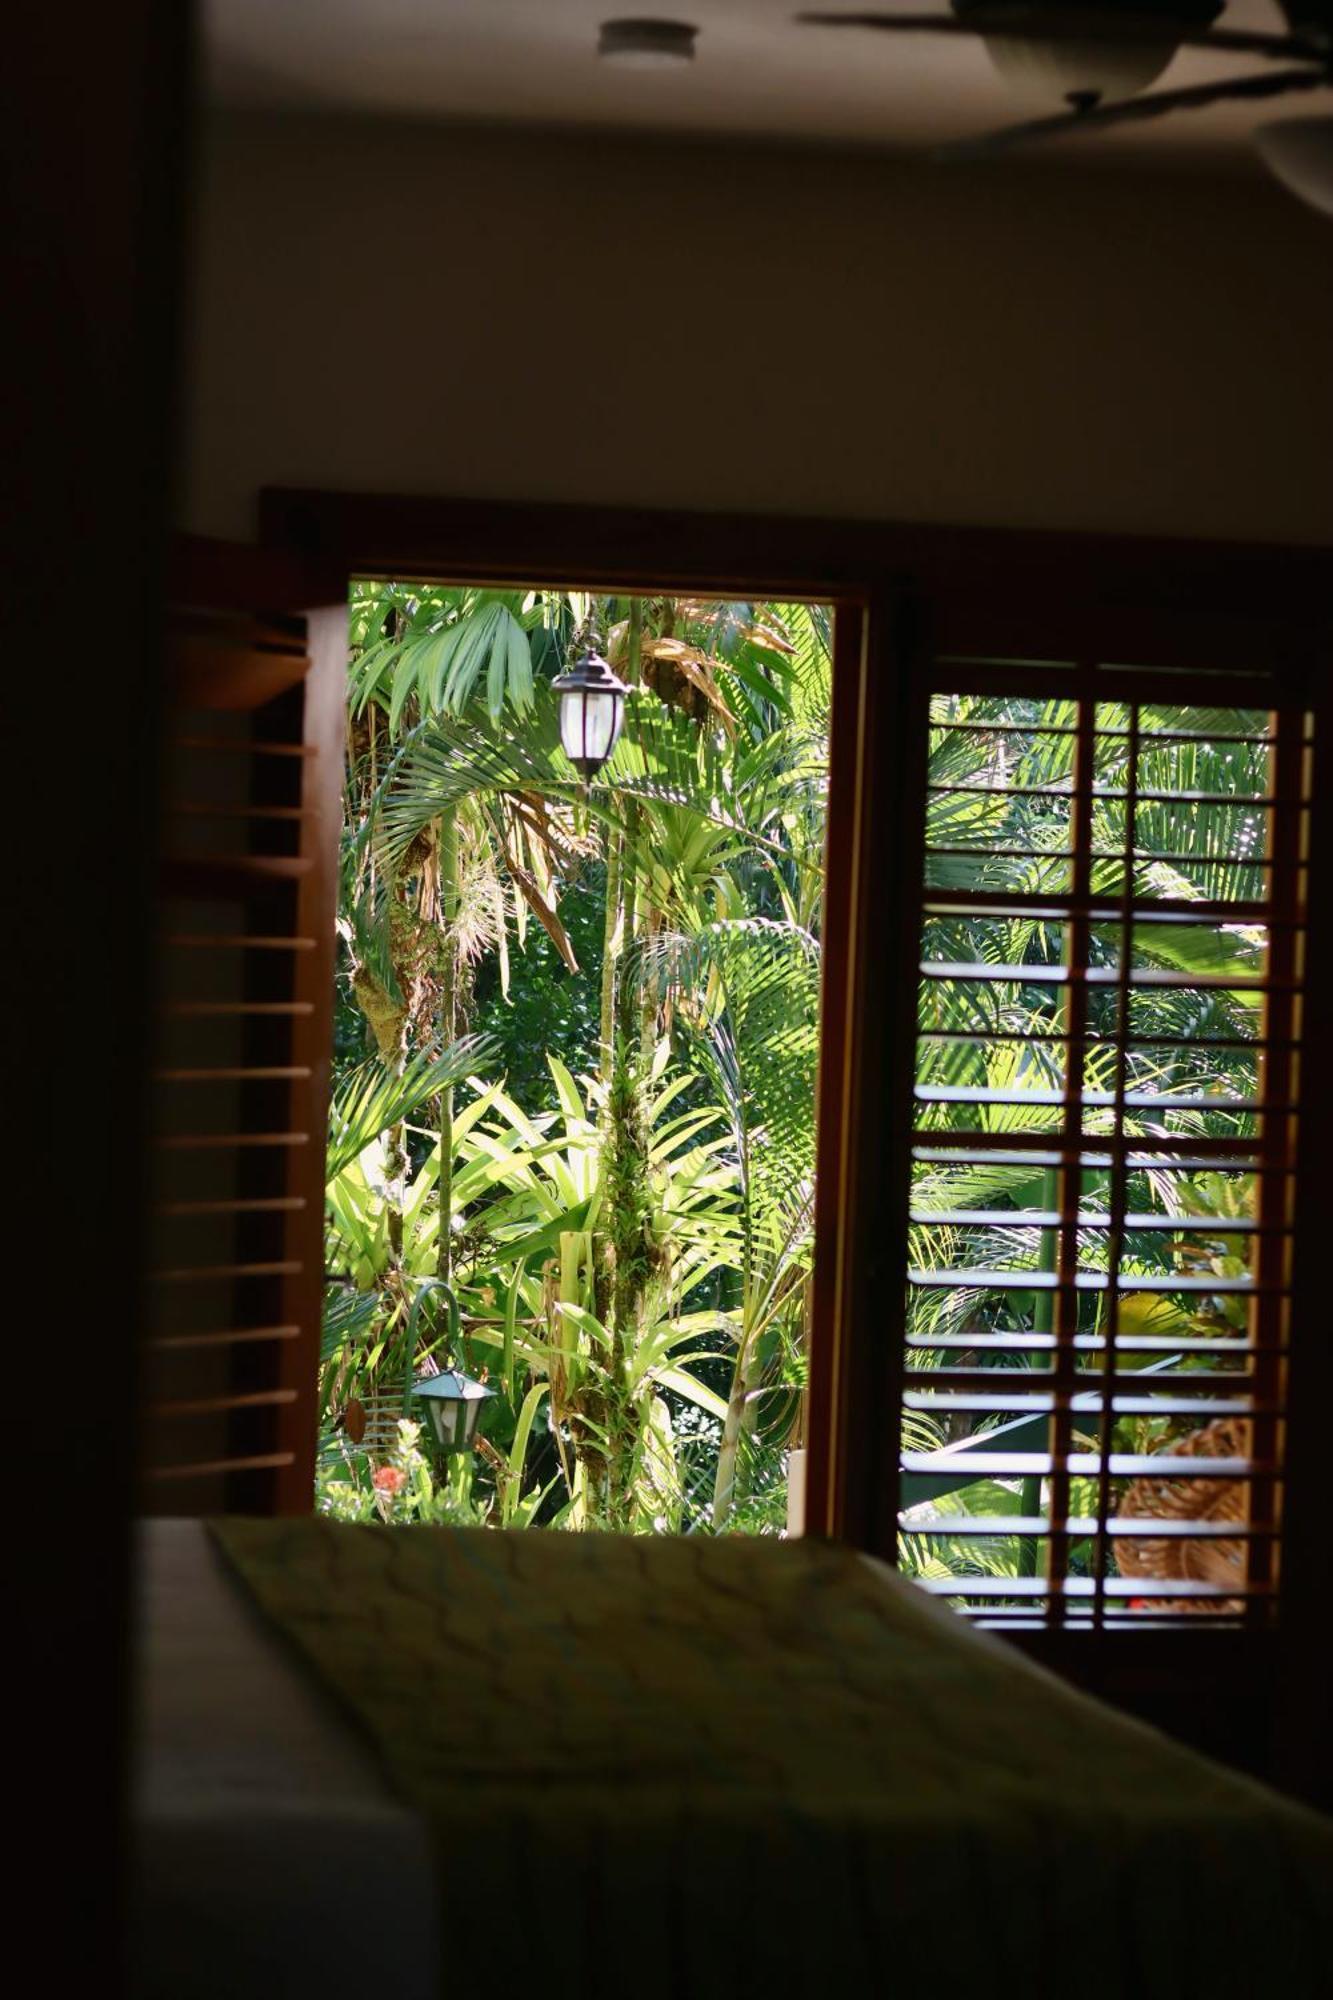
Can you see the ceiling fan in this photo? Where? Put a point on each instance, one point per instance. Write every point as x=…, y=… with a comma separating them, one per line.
x=1093, y=57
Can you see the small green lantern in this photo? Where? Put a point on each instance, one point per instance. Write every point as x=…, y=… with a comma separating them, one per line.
x=454, y=1401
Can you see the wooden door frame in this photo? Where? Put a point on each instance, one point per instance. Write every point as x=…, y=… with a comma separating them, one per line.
x=903, y=594
x=847, y=1493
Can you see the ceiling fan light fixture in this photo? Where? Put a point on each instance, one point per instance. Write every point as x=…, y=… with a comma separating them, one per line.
x=646, y=44
x=1083, y=71
x=1068, y=52
x=1299, y=151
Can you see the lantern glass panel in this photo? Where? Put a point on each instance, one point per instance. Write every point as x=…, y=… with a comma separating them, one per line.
x=589, y=724
x=446, y=1417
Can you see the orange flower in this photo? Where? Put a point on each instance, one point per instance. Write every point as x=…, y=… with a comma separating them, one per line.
x=389, y=1479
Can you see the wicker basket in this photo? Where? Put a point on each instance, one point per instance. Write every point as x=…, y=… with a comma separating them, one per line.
x=1219, y=1561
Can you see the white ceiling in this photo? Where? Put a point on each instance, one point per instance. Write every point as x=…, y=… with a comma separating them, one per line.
x=756, y=73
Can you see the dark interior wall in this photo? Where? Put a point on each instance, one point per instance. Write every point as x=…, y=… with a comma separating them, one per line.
x=92, y=235
x=416, y=308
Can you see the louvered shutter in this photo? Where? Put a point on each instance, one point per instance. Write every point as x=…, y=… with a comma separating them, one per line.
x=1109, y=1018
x=251, y=791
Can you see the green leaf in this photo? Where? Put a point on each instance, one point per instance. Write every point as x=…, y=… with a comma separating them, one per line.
x=571, y=1103
x=518, y=1450
x=404, y=684
x=692, y=1390
x=585, y=1321
x=512, y=1297
x=440, y=653
x=538, y=1241
x=519, y=664
x=473, y=649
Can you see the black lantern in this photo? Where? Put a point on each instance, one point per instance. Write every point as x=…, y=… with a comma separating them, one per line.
x=592, y=708
x=454, y=1401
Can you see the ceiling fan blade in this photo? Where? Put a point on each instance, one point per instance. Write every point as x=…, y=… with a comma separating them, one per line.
x=940, y=24
x=1134, y=110
x=1221, y=41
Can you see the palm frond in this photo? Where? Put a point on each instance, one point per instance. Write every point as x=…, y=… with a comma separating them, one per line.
x=376, y=1096
x=748, y=989
x=449, y=645
x=661, y=757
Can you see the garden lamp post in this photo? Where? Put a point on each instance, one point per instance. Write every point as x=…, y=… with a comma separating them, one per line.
x=592, y=709
x=454, y=1401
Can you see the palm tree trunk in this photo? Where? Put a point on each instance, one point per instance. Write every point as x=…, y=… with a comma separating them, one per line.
x=448, y=1033
x=610, y=952
x=739, y=1422
x=648, y=1003
x=617, y=930
x=395, y=1174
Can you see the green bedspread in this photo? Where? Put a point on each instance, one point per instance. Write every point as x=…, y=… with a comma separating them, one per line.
x=697, y=1767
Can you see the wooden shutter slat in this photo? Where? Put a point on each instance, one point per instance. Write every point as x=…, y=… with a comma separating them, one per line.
x=1041, y=1402
x=967, y=972
x=274, y=1073
x=171, y=1343
x=1253, y=802
x=1083, y=1343
x=1102, y=906
x=250, y=746
x=978, y=1278
x=1100, y=1039
x=1183, y=1151
x=977, y=1527
x=1092, y=1100
x=194, y=809
x=181, y=1142
x=201, y=1274
x=210, y=1406
x=203, y=1009
x=1088, y=1378
x=215, y=1468
x=213, y=674
x=1047, y=1218
x=233, y=1205
x=202, y=941
x=1085, y=1586
x=1086, y=1464
x=979, y=851
x=1106, y=735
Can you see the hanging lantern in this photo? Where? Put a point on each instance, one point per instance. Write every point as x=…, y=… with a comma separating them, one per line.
x=592, y=709
x=454, y=1401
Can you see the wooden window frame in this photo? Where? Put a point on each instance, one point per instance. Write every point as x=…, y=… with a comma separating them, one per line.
x=903, y=595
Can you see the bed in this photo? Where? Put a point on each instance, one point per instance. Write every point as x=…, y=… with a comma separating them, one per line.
x=423, y=1762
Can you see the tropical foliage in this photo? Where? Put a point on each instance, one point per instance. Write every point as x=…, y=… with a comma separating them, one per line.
x=572, y=1141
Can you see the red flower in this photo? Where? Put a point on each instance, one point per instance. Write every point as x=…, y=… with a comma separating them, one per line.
x=389, y=1479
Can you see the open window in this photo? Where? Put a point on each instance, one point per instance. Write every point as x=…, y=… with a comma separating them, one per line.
x=1067, y=1359
x=571, y=1167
